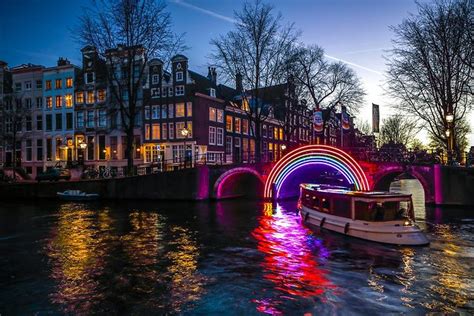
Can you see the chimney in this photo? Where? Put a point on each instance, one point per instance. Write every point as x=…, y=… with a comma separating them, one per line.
x=212, y=74
x=63, y=61
x=238, y=82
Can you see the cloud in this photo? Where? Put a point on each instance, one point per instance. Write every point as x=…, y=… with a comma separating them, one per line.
x=355, y=65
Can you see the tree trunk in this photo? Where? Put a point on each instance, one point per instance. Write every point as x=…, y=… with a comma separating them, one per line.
x=130, y=152
x=258, y=142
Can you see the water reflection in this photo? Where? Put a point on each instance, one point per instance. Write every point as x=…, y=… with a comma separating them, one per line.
x=290, y=261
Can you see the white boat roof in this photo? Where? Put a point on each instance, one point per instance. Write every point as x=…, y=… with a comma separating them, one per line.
x=332, y=189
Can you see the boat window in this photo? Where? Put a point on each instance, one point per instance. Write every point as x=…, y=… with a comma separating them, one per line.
x=380, y=212
x=325, y=204
x=341, y=207
x=364, y=211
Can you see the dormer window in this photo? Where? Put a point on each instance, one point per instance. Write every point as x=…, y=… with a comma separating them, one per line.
x=155, y=79
x=179, y=76
x=179, y=90
x=212, y=92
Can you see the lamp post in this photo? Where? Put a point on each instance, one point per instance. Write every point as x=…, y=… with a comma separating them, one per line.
x=185, y=133
x=449, y=136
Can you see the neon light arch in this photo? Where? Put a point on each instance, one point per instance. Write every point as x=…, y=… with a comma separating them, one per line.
x=315, y=154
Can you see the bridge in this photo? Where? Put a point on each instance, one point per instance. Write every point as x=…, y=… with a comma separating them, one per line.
x=442, y=185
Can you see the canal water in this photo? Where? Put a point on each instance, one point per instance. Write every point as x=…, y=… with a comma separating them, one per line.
x=233, y=258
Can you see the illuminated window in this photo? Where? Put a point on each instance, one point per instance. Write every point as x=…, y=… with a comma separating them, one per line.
x=147, y=132
x=101, y=95
x=164, y=133
x=212, y=114
x=237, y=125
x=90, y=97
x=228, y=123
x=180, y=110
x=69, y=83
x=80, y=97
x=48, y=84
x=155, y=133
x=189, y=127
x=245, y=126
x=59, y=101
x=49, y=102
x=58, y=84
x=275, y=133
x=281, y=133
x=189, y=109
x=179, y=129
x=68, y=99
x=220, y=116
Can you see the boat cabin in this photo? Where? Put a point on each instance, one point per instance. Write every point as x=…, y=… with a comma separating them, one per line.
x=357, y=205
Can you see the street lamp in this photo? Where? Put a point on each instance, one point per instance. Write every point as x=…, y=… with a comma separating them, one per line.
x=449, y=136
x=185, y=133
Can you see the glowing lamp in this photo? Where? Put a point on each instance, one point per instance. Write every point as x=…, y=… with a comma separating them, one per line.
x=82, y=145
x=448, y=132
x=449, y=117
x=185, y=132
x=283, y=147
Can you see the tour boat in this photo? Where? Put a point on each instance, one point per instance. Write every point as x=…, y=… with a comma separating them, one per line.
x=77, y=195
x=385, y=217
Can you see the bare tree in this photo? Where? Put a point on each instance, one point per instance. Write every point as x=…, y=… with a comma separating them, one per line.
x=128, y=33
x=327, y=84
x=430, y=67
x=398, y=129
x=363, y=126
x=461, y=132
x=257, y=50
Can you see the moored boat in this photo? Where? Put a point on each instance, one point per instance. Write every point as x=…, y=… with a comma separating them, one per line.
x=77, y=195
x=385, y=217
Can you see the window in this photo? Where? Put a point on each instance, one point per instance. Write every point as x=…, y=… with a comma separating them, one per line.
x=212, y=92
x=39, y=149
x=49, y=102
x=281, y=133
x=179, y=90
x=27, y=85
x=212, y=114
x=90, y=148
x=80, y=97
x=80, y=119
x=49, y=149
x=155, y=92
x=59, y=101
x=170, y=91
x=189, y=109
x=102, y=150
x=245, y=126
x=28, y=123
x=165, y=92
x=147, y=132
x=59, y=121
x=220, y=116
x=155, y=79
x=270, y=131
x=275, y=133
x=179, y=128
x=180, y=110
x=171, y=130
x=155, y=112
x=102, y=118
x=18, y=86
x=89, y=77
x=178, y=153
x=39, y=102
x=147, y=112
x=90, y=97
x=179, y=76
x=228, y=123
x=164, y=111
x=49, y=122
x=69, y=82
x=137, y=143
x=170, y=111
x=90, y=119
x=212, y=135
x=28, y=103
x=48, y=84
x=264, y=130
x=39, y=84
x=101, y=95
x=39, y=122
x=155, y=131
x=228, y=145
x=220, y=136
x=189, y=127
x=164, y=132
x=237, y=125
x=69, y=119
x=113, y=148
x=29, y=150
x=58, y=84
x=68, y=99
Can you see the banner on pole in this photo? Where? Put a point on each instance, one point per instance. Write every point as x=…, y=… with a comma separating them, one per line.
x=345, y=120
x=318, y=121
x=375, y=118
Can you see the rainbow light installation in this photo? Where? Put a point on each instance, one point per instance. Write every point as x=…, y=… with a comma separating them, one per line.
x=311, y=155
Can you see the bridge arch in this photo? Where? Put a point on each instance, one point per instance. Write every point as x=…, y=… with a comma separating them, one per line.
x=314, y=155
x=232, y=183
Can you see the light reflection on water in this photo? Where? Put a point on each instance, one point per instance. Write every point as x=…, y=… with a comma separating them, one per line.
x=234, y=257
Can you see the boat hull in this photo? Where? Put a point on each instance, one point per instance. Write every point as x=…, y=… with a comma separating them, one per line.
x=382, y=232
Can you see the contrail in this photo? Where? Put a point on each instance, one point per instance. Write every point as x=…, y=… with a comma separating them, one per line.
x=232, y=20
